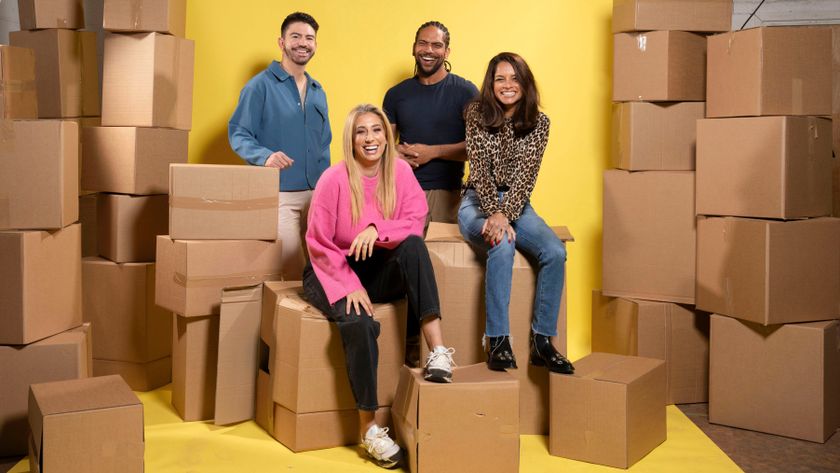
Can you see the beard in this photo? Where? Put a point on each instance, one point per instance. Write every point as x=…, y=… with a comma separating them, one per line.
x=287, y=52
x=423, y=72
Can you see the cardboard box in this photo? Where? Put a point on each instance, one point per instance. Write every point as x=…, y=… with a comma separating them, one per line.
x=42, y=290
x=218, y=202
x=87, y=219
x=88, y=425
x=769, y=71
x=610, y=412
x=129, y=224
x=769, y=271
x=66, y=71
x=138, y=376
x=41, y=14
x=18, y=97
x=148, y=81
x=836, y=185
x=38, y=174
x=771, y=167
x=191, y=274
x=752, y=387
x=682, y=15
x=195, y=348
x=649, y=235
x=675, y=334
x=130, y=160
x=470, y=424
x=655, y=136
x=162, y=16
x=63, y=356
x=659, y=66
x=84, y=122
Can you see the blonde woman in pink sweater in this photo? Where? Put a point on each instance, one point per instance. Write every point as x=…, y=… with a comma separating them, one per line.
x=365, y=222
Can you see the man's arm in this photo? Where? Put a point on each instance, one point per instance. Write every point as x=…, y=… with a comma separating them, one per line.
x=421, y=154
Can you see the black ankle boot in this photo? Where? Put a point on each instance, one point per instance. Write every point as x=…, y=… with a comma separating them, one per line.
x=500, y=354
x=543, y=353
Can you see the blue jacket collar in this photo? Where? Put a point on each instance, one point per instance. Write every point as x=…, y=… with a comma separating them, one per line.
x=282, y=75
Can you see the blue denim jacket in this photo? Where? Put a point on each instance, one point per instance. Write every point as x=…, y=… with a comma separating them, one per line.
x=269, y=118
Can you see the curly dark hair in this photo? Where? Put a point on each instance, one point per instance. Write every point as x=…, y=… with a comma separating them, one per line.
x=527, y=110
x=298, y=17
x=437, y=25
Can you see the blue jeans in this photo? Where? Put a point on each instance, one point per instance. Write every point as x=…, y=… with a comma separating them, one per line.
x=534, y=238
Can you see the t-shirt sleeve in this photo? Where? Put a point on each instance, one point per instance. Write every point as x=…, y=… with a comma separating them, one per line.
x=389, y=105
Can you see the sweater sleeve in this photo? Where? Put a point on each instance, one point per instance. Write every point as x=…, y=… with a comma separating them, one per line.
x=527, y=170
x=409, y=212
x=480, y=162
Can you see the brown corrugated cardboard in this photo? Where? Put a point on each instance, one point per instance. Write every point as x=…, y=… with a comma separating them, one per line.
x=659, y=66
x=39, y=181
x=836, y=184
x=191, y=274
x=18, y=96
x=92, y=425
x=87, y=219
x=610, y=412
x=138, y=376
x=195, y=347
x=471, y=424
x=41, y=14
x=130, y=160
x=675, y=334
x=66, y=71
x=769, y=271
x=772, y=167
x=655, y=136
x=129, y=224
x=217, y=202
x=148, y=81
x=683, y=15
x=84, y=122
x=769, y=71
x=63, y=356
x=649, y=235
x=780, y=379
x=835, y=115
x=163, y=16
x=42, y=289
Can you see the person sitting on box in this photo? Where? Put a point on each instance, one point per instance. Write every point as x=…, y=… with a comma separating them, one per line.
x=365, y=221
x=506, y=137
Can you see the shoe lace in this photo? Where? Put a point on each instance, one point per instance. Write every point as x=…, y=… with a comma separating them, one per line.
x=441, y=359
x=380, y=442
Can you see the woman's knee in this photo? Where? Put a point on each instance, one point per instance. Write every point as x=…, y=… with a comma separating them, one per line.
x=553, y=252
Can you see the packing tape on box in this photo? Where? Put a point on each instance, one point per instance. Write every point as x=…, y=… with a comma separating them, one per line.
x=136, y=14
x=641, y=42
x=202, y=203
x=226, y=280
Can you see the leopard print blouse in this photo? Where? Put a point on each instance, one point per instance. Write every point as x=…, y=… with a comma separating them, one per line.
x=498, y=159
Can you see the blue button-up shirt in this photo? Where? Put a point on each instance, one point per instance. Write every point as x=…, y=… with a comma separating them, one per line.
x=269, y=118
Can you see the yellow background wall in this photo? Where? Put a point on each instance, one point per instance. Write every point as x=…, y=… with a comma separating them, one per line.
x=364, y=47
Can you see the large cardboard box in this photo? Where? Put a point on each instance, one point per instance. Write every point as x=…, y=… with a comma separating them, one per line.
x=836, y=184
x=148, y=81
x=138, y=376
x=835, y=102
x=41, y=14
x=162, y=16
x=87, y=219
x=769, y=271
x=66, y=71
x=84, y=122
x=649, y=235
x=39, y=181
x=659, y=66
x=63, y=356
x=129, y=224
x=470, y=424
x=610, y=412
x=781, y=379
x=655, y=136
x=195, y=348
x=42, y=284
x=769, y=71
x=130, y=160
x=682, y=15
x=18, y=96
x=191, y=274
x=218, y=202
x=92, y=425
x=771, y=167
x=673, y=333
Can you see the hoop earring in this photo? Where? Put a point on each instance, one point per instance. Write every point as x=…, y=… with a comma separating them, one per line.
x=446, y=65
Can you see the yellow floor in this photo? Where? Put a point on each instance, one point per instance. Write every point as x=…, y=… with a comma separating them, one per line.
x=177, y=447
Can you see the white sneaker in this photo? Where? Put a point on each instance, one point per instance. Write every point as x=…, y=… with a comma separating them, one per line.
x=382, y=448
x=439, y=365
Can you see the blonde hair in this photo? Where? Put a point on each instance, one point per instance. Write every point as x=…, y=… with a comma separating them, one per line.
x=385, y=188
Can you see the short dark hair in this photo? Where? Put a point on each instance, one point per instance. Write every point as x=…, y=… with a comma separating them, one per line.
x=298, y=17
x=437, y=25
x=527, y=111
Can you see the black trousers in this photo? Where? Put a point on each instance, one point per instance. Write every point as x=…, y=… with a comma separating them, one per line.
x=405, y=271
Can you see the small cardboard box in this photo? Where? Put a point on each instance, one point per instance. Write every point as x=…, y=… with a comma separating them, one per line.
x=138, y=376
x=769, y=271
x=92, y=425
x=130, y=160
x=43, y=14
x=675, y=334
x=148, y=81
x=162, y=16
x=682, y=15
x=471, y=424
x=659, y=66
x=649, y=235
x=63, y=356
x=87, y=219
x=18, y=96
x=769, y=71
x=655, y=136
x=752, y=385
x=770, y=167
x=218, y=202
x=129, y=224
x=42, y=289
x=195, y=349
x=610, y=412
